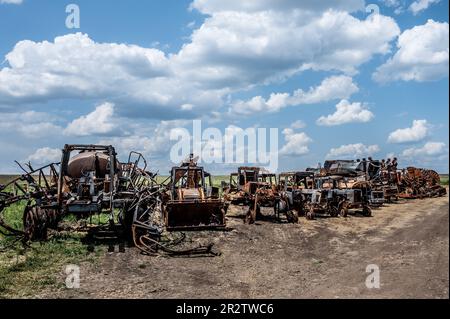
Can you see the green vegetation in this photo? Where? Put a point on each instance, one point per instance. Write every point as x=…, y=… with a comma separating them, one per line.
x=444, y=179
x=26, y=271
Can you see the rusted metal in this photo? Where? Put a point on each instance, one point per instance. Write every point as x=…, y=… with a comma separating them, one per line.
x=193, y=201
x=253, y=187
x=420, y=183
x=89, y=182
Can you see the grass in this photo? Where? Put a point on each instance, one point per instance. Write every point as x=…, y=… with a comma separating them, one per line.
x=444, y=179
x=25, y=272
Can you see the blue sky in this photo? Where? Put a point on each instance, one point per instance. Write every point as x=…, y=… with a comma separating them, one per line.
x=135, y=69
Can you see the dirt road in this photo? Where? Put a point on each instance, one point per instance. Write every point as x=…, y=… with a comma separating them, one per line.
x=325, y=258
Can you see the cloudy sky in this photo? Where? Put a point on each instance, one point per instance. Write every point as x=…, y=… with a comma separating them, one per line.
x=340, y=79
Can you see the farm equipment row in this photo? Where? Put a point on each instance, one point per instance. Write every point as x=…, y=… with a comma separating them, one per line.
x=333, y=190
x=90, y=180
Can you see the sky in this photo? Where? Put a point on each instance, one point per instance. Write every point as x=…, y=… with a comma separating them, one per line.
x=338, y=79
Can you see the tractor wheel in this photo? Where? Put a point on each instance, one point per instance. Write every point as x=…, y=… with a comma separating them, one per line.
x=343, y=209
x=279, y=209
x=34, y=224
x=310, y=215
x=125, y=218
x=343, y=212
x=367, y=211
x=333, y=211
x=250, y=218
x=292, y=216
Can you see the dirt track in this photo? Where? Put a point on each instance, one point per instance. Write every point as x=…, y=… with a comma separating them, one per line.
x=325, y=258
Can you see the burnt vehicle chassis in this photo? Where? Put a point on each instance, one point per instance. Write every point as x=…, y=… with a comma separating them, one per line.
x=292, y=200
x=312, y=195
x=255, y=188
x=89, y=183
x=363, y=174
x=192, y=201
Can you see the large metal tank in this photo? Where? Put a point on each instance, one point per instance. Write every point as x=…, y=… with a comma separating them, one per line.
x=88, y=161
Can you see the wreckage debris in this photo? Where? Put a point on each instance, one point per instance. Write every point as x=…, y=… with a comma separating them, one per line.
x=90, y=180
x=88, y=183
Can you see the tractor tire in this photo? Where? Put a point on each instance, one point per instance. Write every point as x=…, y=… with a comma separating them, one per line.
x=333, y=211
x=310, y=215
x=343, y=212
x=292, y=216
x=367, y=211
x=34, y=224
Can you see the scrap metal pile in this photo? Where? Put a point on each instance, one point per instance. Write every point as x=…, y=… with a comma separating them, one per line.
x=90, y=180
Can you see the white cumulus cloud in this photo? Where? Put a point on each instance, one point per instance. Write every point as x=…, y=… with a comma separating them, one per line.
x=429, y=149
x=417, y=132
x=100, y=121
x=331, y=88
x=422, y=55
x=420, y=5
x=45, y=155
x=296, y=143
x=30, y=124
x=347, y=112
x=236, y=48
x=357, y=150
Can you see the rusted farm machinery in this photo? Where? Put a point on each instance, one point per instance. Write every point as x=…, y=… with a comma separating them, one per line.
x=91, y=182
x=292, y=199
x=356, y=174
x=256, y=188
x=193, y=201
x=309, y=194
x=420, y=183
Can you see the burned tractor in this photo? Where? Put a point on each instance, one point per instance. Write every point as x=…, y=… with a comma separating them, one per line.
x=341, y=194
x=90, y=182
x=193, y=202
x=292, y=197
x=420, y=183
x=309, y=194
x=357, y=175
x=383, y=177
x=253, y=187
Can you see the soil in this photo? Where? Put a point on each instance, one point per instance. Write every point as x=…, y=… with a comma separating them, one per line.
x=322, y=258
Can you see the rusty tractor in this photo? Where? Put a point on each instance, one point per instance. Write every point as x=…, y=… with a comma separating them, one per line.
x=253, y=187
x=193, y=202
x=357, y=175
x=292, y=199
x=314, y=195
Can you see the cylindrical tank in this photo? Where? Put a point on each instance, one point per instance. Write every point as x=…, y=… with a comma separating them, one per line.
x=88, y=161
